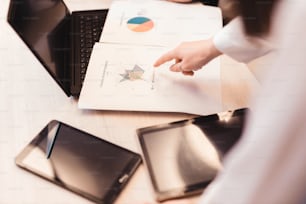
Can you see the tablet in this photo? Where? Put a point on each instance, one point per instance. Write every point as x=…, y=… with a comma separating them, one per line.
x=80, y=162
x=183, y=157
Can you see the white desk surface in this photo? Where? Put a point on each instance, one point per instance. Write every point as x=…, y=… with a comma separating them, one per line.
x=30, y=99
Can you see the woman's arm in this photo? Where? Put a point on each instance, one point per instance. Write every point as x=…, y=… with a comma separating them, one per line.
x=232, y=41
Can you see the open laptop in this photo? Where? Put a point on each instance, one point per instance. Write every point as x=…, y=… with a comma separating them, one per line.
x=62, y=41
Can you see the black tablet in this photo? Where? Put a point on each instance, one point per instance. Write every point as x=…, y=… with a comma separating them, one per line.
x=183, y=157
x=79, y=162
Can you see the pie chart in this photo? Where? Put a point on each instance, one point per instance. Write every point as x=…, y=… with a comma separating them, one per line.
x=140, y=24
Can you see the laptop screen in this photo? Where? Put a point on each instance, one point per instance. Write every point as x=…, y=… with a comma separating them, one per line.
x=43, y=25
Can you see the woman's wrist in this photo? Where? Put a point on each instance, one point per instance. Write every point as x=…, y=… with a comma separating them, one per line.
x=212, y=49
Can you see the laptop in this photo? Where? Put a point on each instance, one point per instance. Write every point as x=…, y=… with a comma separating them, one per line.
x=62, y=41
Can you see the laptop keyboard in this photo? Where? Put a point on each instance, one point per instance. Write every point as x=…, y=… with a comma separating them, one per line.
x=87, y=28
x=90, y=31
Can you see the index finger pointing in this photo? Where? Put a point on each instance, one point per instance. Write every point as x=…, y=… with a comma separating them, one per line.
x=164, y=58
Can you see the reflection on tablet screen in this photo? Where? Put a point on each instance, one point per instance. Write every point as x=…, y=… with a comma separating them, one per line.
x=186, y=153
x=80, y=162
x=185, y=156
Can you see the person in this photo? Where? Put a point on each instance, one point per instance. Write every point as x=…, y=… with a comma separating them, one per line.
x=268, y=165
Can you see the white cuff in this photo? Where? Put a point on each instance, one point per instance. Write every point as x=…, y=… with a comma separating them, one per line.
x=232, y=41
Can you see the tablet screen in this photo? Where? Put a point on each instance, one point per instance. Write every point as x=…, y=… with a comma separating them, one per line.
x=184, y=156
x=80, y=162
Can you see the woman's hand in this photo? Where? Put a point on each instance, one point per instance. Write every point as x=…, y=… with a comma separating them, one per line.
x=190, y=56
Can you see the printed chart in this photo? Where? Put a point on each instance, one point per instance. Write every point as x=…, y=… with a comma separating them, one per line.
x=126, y=78
x=149, y=23
x=140, y=24
x=122, y=77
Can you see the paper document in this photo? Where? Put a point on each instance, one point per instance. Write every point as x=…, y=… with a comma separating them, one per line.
x=120, y=74
x=159, y=22
x=122, y=77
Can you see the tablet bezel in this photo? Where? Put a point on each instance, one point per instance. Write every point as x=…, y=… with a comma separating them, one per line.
x=118, y=183
x=186, y=190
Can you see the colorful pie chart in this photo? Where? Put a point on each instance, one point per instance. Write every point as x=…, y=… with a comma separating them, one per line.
x=140, y=24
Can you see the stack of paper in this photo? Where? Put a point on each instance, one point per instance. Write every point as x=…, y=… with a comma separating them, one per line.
x=121, y=76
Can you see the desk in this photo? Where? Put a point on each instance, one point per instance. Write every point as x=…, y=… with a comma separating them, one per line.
x=30, y=99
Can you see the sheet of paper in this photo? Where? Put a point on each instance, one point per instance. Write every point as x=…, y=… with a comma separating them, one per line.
x=122, y=77
x=159, y=22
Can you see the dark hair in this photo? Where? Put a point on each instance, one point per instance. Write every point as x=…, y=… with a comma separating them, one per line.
x=256, y=15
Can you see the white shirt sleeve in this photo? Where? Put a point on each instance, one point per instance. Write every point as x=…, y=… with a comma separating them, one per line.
x=268, y=166
x=232, y=41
